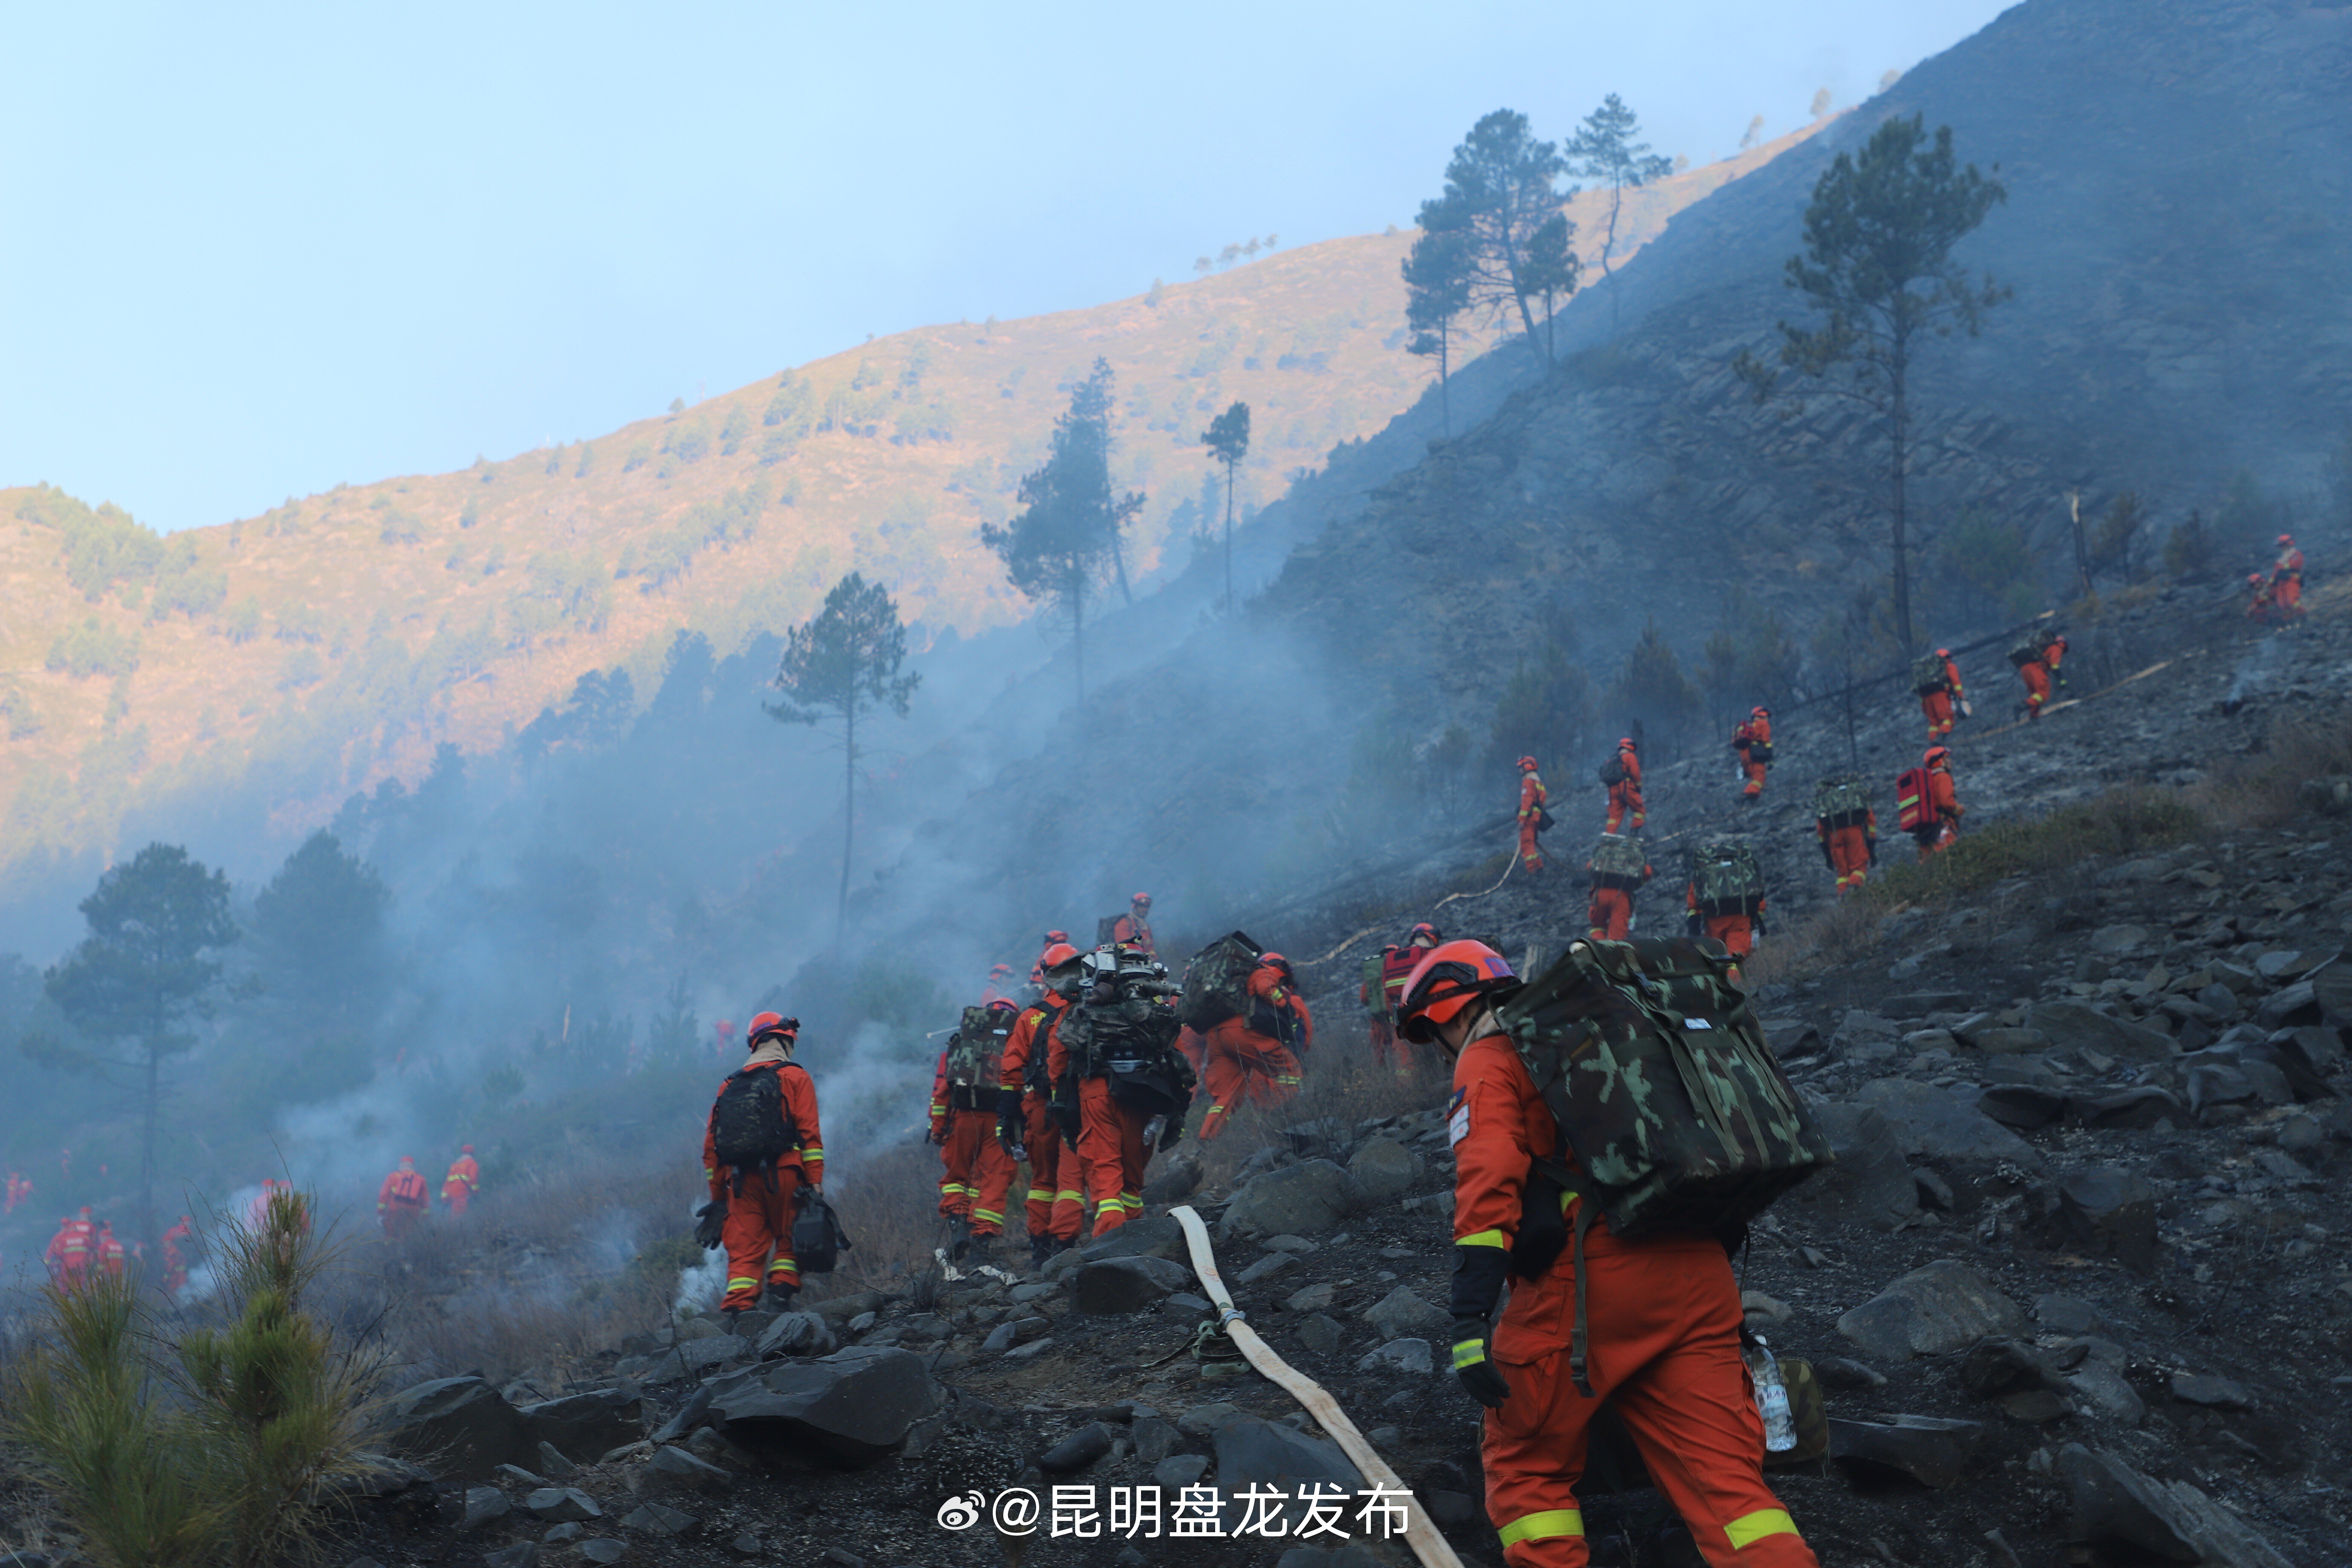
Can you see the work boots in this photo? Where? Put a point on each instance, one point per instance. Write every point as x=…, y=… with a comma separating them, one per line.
x=1041, y=1247
x=958, y=1238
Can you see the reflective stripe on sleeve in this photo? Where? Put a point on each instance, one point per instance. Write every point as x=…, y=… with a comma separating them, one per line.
x=1483, y=1239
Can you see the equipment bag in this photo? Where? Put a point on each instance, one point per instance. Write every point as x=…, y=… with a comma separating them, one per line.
x=749, y=1121
x=1759, y=752
x=1130, y=1044
x=974, y=1053
x=1216, y=982
x=1841, y=801
x=1376, y=982
x=818, y=1239
x=1927, y=677
x=1612, y=771
x=1728, y=879
x=2029, y=649
x=1543, y=819
x=1914, y=800
x=1106, y=931
x=1652, y=1062
x=1620, y=854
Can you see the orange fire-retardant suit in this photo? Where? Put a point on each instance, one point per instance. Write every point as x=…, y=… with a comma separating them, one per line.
x=2036, y=674
x=1944, y=823
x=1055, y=1199
x=68, y=1253
x=179, y=1243
x=109, y=1253
x=1532, y=796
x=761, y=1204
x=1738, y=932
x=977, y=1170
x=1111, y=1152
x=463, y=1180
x=1250, y=1053
x=1611, y=914
x=1133, y=928
x=19, y=1189
x=1396, y=966
x=400, y=1200
x=2287, y=579
x=2262, y=607
x=1753, y=741
x=1625, y=797
x=1940, y=704
x=1663, y=1347
x=1851, y=849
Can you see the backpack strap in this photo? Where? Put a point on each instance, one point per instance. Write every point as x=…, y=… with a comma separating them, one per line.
x=1579, y=1338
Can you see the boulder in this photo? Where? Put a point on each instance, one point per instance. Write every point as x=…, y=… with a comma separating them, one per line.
x=555, y=1464
x=1871, y=1183
x=1407, y=1355
x=1938, y=1124
x=1154, y=1439
x=1863, y=1037
x=2022, y=1107
x=2074, y=1026
x=841, y=1309
x=675, y=1470
x=1119, y=1284
x=521, y=1554
x=2067, y=1315
x=1206, y=1420
x=1922, y=1448
x=2111, y=1505
x=2290, y=1007
x=484, y=1505
x=1177, y=1471
x=561, y=1505
x=588, y=1423
x=2213, y=1393
x=603, y=1551
x=2140, y=1107
x=1174, y=1178
x=798, y=1334
x=1158, y=1236
x=1385, y=1171
x=1303, y=1199
x=460, y=1427
x=1791, y=1037
x=1944, y=1307
x=1267, y=1454
x=2331, y=988
x=653, y=1519
x=2110, y=1212
x=1076, y=1451
x=1320, y=1333
x=1309, y=1298
x=852, y=1409
x=2022, y=1378
x=1400, y=1313
x=2009, y=1042
x=1266, y=1267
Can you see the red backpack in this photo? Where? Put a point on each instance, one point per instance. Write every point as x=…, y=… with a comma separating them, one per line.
x=1915, y=800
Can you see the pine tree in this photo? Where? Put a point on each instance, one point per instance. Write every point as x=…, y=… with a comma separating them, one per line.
x=1228, y=438
x=1437, y=291
x=1500, y=188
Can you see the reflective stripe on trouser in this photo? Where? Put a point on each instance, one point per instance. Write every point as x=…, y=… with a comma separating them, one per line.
x=1625, y=799
x=1754, y=772
x=1938, y=707
x=1112, y=1153
x=2037, y=687
x=1053, y=1206
x=1531, y=854
x=979, y=1168
x=1850, y=856
x=759, y=1227
x=1665, y=1354
x=1244, y=1067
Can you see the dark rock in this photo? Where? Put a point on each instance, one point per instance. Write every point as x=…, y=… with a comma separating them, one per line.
x=2111, y=1211
x=851, y=1408
x=1204, y=1420
x=554, y=1463
x=563, y=1535
x=1936, y=1124
x=746, y=1545
x=1996, y=1042
x=1154, y=1439
x=1919, y=1004
x=1385, y=1170
x=1408, y=1355
x=1935, y=1193
x=1173, y=1178
x=841, y=1309
x=1933, y=1310
x=1923, y=1448
x=692, y=1413
x=1851, y=1376
x=1321, y=1335
x=2213, y=1392
x=1400, y=1314
x=676, y=1469
x=521, y=1554
x=1000, y=1339
x=2112, y=1505
x=1156, y=1236
x=2141, y=1108
x=1076, y=1451
x=2291, y=1006
x=2074, y=1026
x=1793, y=1038
x=2067, y=1315
x=2024, y=1107
x=2021, y=1378
x=799, y=1334
x=653, y=1518
x=1303, y=1199
x=461, y=1426
x=1179, y=1471
x=1270, y=1454
x=1126, y=1285
x=706, y=1444
x=602, y=1549
x=1266, y=1267
x=587, y=1423
x=1871, y=1183
x=484, y=1504
x=562, y=1505
x=516, y=1476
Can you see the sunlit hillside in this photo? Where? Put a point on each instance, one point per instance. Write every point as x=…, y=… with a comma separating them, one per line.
x=344, y=635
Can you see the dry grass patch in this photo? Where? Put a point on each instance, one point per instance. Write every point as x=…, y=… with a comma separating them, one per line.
x=2259, y=790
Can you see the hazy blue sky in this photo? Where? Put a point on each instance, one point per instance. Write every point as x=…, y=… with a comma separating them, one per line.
x=253, y=251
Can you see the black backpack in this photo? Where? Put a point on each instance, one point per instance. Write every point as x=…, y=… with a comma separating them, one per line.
x=749, y=1121
x=1612, y=771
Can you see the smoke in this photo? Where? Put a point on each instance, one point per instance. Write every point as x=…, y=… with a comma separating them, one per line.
x=700, y=1286
x=2253, y=672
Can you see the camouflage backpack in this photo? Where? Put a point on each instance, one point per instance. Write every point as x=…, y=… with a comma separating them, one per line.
x=1375, y=988
x=975, y=1050
x=1216, y=982
x=1841, y=801
x=1620, y=854
x=2029, y=649
x=1131, y=1043
x=1648, y=1056
x=1728, y=879
x=1927, y=675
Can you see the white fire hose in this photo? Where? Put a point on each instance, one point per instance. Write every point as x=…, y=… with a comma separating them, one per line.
x=1419, y=1534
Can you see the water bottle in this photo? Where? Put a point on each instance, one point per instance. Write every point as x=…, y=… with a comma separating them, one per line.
x=1771, y=1398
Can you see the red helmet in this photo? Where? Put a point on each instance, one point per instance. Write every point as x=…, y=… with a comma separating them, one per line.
x=1526, y=765
x=1453, y=975
x=1053, y=936
x=1276, y=960
x=1003, y=1005
x=1625, y=743
x=771, y=1026
x=466, y=1150
x=1759, y=711
x=1943, y=653
x=406, y=1161
x=1060, y=953
x=1424, y=929
x=1143, y=899
x=1935, y=754
x=2255, y=578
x=2287, y=539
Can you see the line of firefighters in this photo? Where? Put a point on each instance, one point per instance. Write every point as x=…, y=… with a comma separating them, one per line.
x=400, y=1200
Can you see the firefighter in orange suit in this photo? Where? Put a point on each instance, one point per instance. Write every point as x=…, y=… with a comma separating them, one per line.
x=1945, y=810
x=1133, y=928
x=1625, y=796
x=1738, y=932
x=1663, y=1318
x=1111, y=1148
x=1610, y=912
x=978, y=1170
x=1252, y=1056
x=463, y=1180
x=1753, y=741
x=2037, y=674
x=1022, y=1121
x=1940, y=702
x=400, y=1202
x=2287, y=579
x=1380, y=1011
x=1532, y=796
x=69, y=1251
x=108, y=1251
x=1849, y=849
x=752, y=1208
x=179, y=1245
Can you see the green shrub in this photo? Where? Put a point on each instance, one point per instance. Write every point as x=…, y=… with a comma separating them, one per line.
x=244, y=621
x=301, y=669
x=2120, y=822
x=91, y=649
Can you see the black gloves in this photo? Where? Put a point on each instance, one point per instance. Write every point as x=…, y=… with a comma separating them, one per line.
x=1171, y=1134
x=1827, y=859
x=1874, y=849
x=1066, y=1117
x=1011, y=1125
x=1482, y=1380
x=709, y=1224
